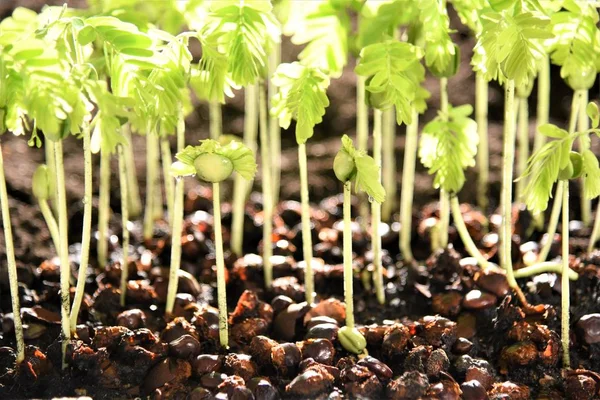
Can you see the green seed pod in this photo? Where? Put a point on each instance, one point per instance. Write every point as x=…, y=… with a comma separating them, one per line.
x=577, y=162
x=211, y=167
x=43, y=183
x=584, y=80
x=352, y=340
x=567, y=172
x=344, y=166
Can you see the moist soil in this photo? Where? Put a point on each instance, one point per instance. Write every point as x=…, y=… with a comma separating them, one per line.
x=447, y=329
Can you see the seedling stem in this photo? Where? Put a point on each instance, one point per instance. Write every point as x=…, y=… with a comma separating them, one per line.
x=376, y=210
x=266, y=186
x=124, y=223
x=306, y=229
x=408, y=186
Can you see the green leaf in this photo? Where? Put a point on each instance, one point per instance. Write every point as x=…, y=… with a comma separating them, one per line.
x=552, y=131
x=86, y=35
x=448, y=146
x=302, y=96
x=378, y=25
x=180, y=169
x=591, y=175
x=469, y=12
x=441, y=55
x=395, y=74
x=593, y=114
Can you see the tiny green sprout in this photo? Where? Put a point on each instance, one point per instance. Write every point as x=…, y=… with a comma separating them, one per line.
x=354, y=165
x=352, y=340
x=211, y=162
x=43, y=183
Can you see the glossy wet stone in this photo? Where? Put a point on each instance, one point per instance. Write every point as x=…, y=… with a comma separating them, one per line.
x=167, y=371
x=320, y=350
x=513, y=390
x=310, y=383
x=286, y=357
x=447, y=304
x=260, y=349
x=395, y=341
x=589, y=328
x=462, y=346
x=381, y=370
x=473, y=390
x=522, y=353
x=132, y=319
x=493, y=281
x=262, y=389
x=205, y=363
x=580, y=387
x=241, y=365
x=478, y=300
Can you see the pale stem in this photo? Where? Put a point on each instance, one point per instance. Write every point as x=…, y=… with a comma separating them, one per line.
x=306, y=231
x=274, y=128
x=389, y=163
x=240, y=185
x=63, y=252
x=376, y=211
x=523, y=144
x=508, y=158
x=215, y=119
x=543, y=114
x=595, y=231
x=221, y=289
x=167, y=160
x=470, y=246
x=11, y=263
x=565, y=287
x=103, y=207
x=87, y=229
x=444, y=198
x=124, y=222
x=266, y=187
x=408, y=183
x=481, y=117
x=135, y=200
x=348, y=272
x=583, y=124
x=51, y=163
x=362, y=139
x=50, y=222
x=151, y=173
x=175, y=245
x=542, y=268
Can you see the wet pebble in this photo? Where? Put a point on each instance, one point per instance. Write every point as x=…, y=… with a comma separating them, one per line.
x=493, y=281
x=167, y=371
x=478, y=300
x=321, y=319
x=320, y=350
x=395, y=341
x=323, y=331
x=184, y=347
x=589, y=328
x=286, y=357
x=436, y=363
x=311, y=383
x=473, y=390
x=260, y=349
x=462, y=346
x=280, y=303
x=212, y=380
x=331, y=308
x=521, y=353
x=438, y=331
x=412, y=385
x=580, y=387
x=377, y=367
x=243, y=332
x=447, y=304
x=262, y=389
x=240, y=365
x=514, y=391
x=200, y=393
x=205, y=363
x=445, y=389
x=480, y=375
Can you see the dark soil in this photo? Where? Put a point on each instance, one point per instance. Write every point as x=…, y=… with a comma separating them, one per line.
x=447, y=329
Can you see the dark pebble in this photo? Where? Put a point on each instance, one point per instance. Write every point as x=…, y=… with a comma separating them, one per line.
x=589, y=328
x=200, y=394
x=205, y=363
x=212, y=380
x=286, y=357
x=580, y=387
x=321, y=350
x=184, y=347
x=241, y=393
x=380, y=369
x=395, y=341
x=167, y=371
x=462, y=346
x=280, y=303
x=438, y=331
x=321, y=319
x=493, y=281
x=260, y=349
x=310, y=383
x=514, y=391
x=411, y=385
x=240, y=365
x=478, y=300
x=243, y=332
x=447, y=304
x=521, y=353
x=323, y=331
x=444, y=390
x=436, y=363
x=472, y=390
x=369, y=388
x=285, y=323
x=480, y=375
x=263, y=389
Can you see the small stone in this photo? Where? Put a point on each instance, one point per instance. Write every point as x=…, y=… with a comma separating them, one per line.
x=380, y=369
x=263, y=389
x=521, y=353
x=311, y=383
x=478, y=300
x=321, y=319
x=436, y=363
x=200, y=393
x=589, y=328
x=321, y=350
x=445, y=389
x=205, y=363
x=438, y=331
x=184, y=347
x=395, y=341
x=280, y=303
x=331, y=308
x=243, y=332
x=514, y=391
x=481, y=375
x=212, y=380
x=580, y=387
x=472, y=390
x=260, y=349
x=412, y=385
x=462, y=346
x=466, y=326
x=323, y=331
x=493, y=281
x=169, y=370
x=240, y=365
x=286, y=357
x=447, y=304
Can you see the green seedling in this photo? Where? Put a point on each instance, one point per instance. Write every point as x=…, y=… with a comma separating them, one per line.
x=351, y=165
x=212, y=162
x=44, y=189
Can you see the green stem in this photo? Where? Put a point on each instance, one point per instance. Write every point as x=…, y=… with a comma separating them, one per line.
x=583, y=125
x=124, y=222
x=167, y=160
x=408, y=181
x=306, y=232
x=348, y=271
x=508, y=158
x=543, y=114
x=470, y=246
x=542, y=268
x=523, y=144
x=595, y=231
x=135, y=200
x=175, y=245
x=221, y=289
x=481, y=117
x=362, y=139
x=240, y=185
x=552, y=223
x=444, y=198
x=157, y=205
x=376, y=211
x=87, y=229
x=565, y=286
x=51, y=163
x=151, y=174
x=274, y=128
x=177, y=224
x=103, y=208
x=11, y=263
x=216, y=119
x=50, y=222
x=266, y=187
x=389, y=163
x=63, y=252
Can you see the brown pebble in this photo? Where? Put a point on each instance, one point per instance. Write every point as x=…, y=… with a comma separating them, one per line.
x=170, y=370
x=132, y=319
x=212, y=380
x=286, y=357
x=580, y=387
x=380, y=369
x=321, y=319
x=521, y=353
x=395, y=341
x=412, y=385
x=589, y=328
x=513, y=390
x=436, y=363
x=466, y=326
x=177, y=328
x=462, y=346
x=285, y=323
x=480, y=375
x=184, y=347
x=332, y=308
x=311, y=383
x=369, y=388
x=200, y=393
x=260, y=349
x=321, y=350
x=323, y=331
x=205, y=363
x=478, y=300
x=240, y=365
x=493, y=281
x=444, y=390
x=438, y=331
x=472, y=390
x=280, y=303
x=230, y=384
x=447, y=304
x=243, y=332
x=262, y=389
